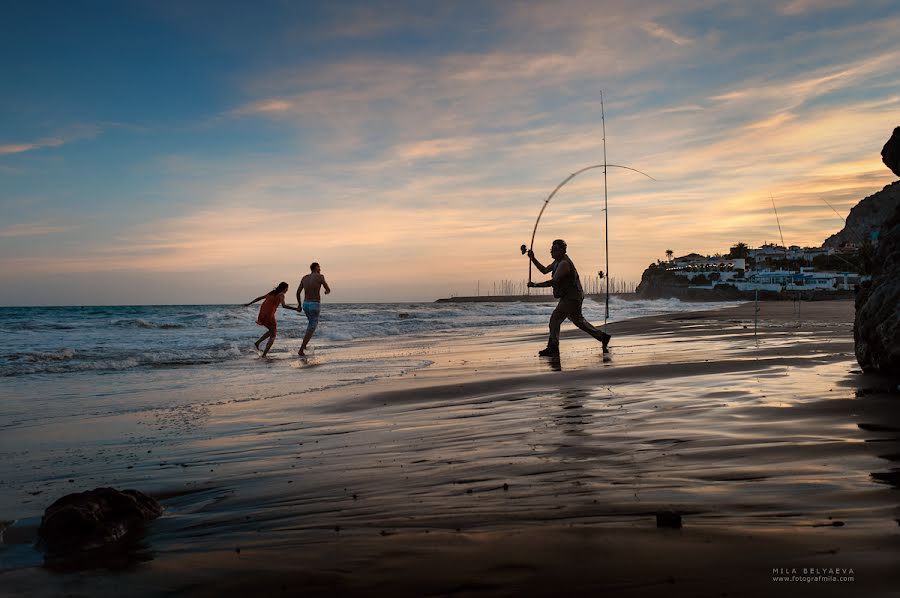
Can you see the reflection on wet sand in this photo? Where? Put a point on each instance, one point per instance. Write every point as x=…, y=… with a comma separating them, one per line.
x=742, y=437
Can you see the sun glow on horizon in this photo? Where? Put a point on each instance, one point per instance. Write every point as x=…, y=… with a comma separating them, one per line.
x=410, y=153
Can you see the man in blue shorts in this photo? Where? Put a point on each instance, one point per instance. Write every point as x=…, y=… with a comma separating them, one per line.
x=311, y=284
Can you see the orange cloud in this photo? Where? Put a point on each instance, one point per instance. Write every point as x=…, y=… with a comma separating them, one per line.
x=18, y=148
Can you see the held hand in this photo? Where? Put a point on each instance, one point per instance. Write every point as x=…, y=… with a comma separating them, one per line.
x=531, y=285
x=530, y=253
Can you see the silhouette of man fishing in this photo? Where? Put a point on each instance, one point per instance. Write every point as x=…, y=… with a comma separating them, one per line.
x=567, y=288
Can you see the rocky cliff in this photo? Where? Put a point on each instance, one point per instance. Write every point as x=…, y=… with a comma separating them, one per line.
x=876, y=330
x=871, y=212
x=890, y=153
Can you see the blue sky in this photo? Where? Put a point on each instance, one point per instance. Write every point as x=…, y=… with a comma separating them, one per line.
x=200, y=152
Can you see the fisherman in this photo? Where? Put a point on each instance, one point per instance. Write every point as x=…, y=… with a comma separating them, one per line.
x=311, y=285
x=567, y=288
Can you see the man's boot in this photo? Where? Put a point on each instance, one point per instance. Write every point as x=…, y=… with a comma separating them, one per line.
x=550, y=351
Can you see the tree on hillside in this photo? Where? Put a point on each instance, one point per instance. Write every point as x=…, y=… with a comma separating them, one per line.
x=669, y=254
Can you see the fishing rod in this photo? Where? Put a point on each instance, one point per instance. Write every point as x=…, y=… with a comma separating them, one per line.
x=833, y=210
x=525, y=248
x=851, y=264
x=853, y=233
x=605, y=166
x=779, y=227
x=783, y=244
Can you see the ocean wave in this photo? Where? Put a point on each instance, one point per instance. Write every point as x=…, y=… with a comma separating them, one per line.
x=64, y=354
x=70, y=361
x=140, y=323
x=35, y=326
x=121, y=338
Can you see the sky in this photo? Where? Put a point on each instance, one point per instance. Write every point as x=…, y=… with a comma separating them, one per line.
x=202, y=152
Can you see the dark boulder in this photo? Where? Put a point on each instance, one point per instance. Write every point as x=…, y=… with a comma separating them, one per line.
x=94, y=519
x=669, y=519
x=876, y=329
x=890, y=153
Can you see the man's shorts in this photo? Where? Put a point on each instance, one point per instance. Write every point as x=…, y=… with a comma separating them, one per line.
x=311, y=309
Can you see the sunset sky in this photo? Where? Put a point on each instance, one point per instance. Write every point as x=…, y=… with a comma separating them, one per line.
x=201, y=152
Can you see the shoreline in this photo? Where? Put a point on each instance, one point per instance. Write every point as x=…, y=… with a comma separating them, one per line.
x=496, y=472
x=536, y=298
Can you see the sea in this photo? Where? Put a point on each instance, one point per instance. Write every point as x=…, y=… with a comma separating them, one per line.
x=60, y=362
x=61, y=342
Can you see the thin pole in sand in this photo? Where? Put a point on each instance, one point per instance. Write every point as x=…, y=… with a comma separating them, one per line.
x=605, y=166
x=605, y=208
x=756, y=314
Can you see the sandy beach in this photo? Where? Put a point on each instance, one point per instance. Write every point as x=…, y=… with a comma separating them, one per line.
x=493, y=472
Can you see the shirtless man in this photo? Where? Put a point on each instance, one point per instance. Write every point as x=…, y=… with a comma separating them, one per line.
x=311, y=283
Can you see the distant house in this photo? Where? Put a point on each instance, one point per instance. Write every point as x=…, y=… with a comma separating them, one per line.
x=768, y=252
x=703, y=271
x=785, y=280
x=809, y=253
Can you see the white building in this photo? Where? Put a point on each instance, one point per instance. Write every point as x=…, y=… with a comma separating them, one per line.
x=784, y=280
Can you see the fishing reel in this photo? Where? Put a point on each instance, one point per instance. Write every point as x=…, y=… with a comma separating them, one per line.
x=524, y=249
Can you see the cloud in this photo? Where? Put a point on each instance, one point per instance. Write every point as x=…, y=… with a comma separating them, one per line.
x=432, y=165
x=19, y=148
x=271, y=106
x=66, y=135
x=791, y=90
x=800, y=7
x=436, y=148
x=32, y=229
x=360, y=22
x=657, y=30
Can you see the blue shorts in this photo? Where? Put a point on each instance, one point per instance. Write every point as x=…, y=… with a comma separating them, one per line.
x=311, y=309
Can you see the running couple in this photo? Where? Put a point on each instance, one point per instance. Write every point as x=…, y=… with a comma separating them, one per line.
x=567, y=288
x=311, y=284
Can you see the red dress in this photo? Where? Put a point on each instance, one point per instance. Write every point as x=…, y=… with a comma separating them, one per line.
x=267, y=310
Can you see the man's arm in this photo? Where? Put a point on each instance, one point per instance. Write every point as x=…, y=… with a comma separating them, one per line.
x=543, y=269
x=325, y=284
x=561, y=271
x=299, y=293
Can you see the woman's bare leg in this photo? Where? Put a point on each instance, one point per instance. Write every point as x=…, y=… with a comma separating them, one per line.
x=272, y=334
x=261, y=339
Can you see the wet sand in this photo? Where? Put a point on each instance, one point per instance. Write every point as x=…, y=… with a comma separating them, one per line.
x=497, y=473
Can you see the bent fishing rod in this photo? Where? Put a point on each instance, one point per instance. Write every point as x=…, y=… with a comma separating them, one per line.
x=530, y=247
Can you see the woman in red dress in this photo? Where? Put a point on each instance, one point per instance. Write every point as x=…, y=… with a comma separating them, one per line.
x=266, y=318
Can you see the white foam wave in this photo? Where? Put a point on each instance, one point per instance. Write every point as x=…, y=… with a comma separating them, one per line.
x=69, y=360
x=42, y=356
